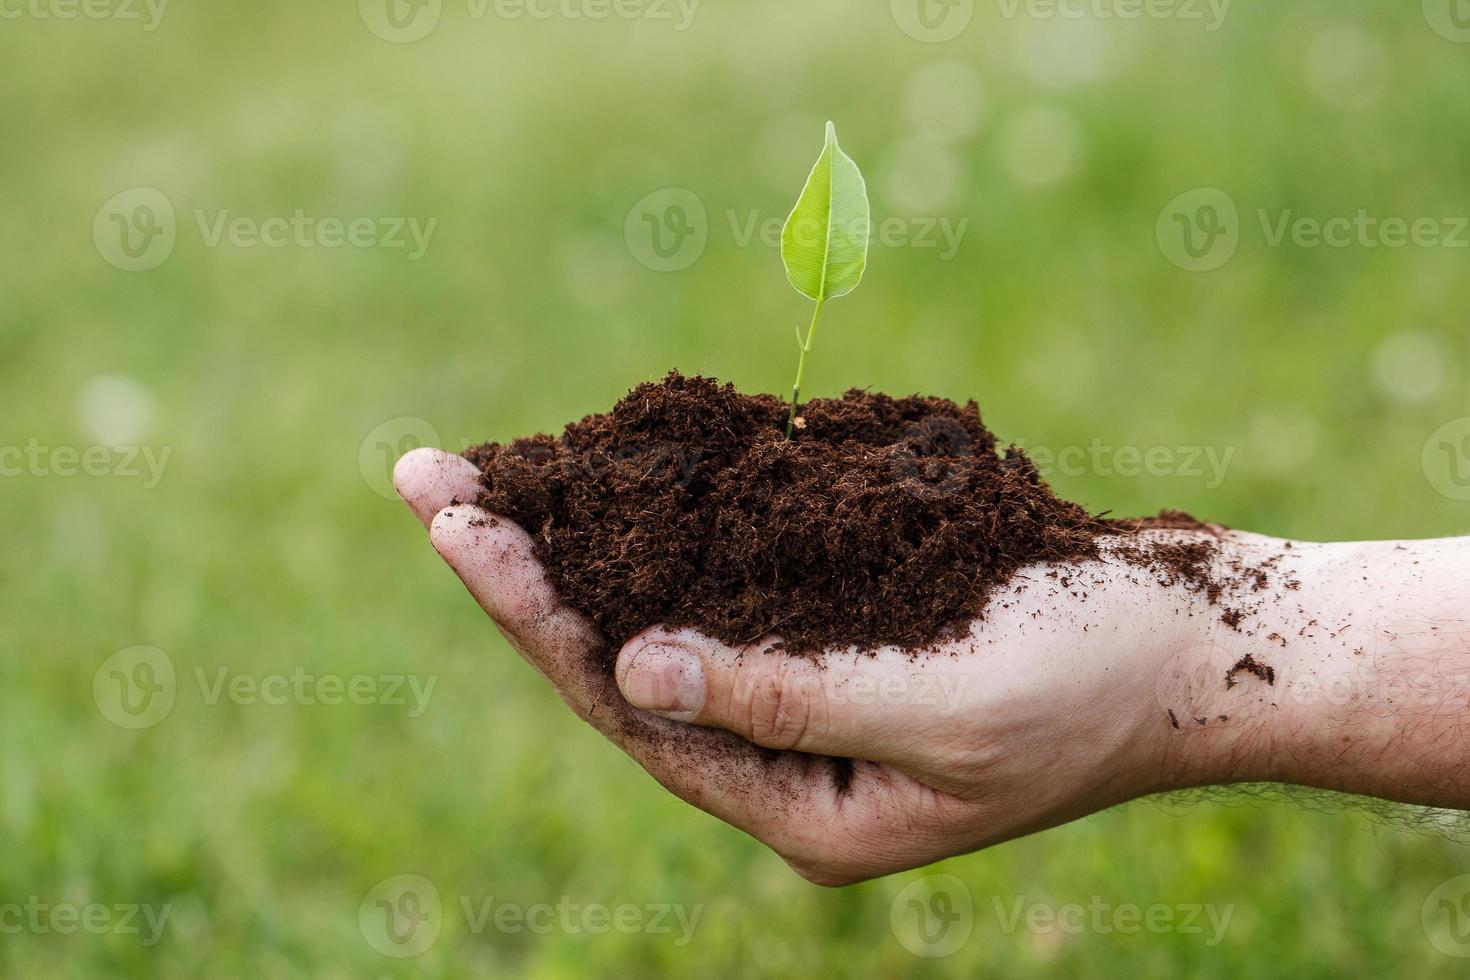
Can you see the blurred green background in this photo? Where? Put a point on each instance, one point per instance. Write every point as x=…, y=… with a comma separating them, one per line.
x=280, y=381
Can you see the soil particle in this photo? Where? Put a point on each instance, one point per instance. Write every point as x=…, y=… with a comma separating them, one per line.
x=1250, y=665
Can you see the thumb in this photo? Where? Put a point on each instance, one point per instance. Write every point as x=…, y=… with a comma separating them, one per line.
x=879, y=707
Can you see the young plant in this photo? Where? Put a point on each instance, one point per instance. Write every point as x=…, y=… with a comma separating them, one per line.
x=825, y=241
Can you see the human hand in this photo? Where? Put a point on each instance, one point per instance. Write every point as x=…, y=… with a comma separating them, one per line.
x=1055, y=706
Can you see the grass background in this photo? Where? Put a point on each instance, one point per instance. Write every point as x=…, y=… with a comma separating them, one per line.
x=269, y=374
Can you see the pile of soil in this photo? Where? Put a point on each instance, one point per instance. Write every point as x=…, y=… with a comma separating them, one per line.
x=884, y=521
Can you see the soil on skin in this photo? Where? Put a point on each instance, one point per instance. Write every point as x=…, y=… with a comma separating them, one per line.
x=885, y=521
x=1250, y=665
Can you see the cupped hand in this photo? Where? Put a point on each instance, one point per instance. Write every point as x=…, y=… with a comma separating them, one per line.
x=1048, y=710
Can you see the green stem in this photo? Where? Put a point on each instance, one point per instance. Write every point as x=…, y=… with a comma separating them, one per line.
x=801, y=367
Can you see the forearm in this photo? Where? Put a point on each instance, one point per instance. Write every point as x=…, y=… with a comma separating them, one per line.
x=1366, y=652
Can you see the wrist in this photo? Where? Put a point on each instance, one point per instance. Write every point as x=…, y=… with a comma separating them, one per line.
x=1231, y=690
x=1351, y=673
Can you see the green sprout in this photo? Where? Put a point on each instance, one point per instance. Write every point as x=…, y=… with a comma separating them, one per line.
x=825, y=241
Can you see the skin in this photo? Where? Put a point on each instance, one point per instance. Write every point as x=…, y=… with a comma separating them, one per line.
x=1057, y=704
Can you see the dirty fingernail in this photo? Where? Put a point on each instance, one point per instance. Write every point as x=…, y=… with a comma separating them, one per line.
x=666, y=680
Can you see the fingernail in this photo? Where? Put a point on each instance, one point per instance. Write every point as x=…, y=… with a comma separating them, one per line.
x=667, y=680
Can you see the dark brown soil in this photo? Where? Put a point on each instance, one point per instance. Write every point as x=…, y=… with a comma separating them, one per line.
x=1250, y=665
x=886, y=521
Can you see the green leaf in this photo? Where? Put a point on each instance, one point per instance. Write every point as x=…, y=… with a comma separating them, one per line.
x=825, y=241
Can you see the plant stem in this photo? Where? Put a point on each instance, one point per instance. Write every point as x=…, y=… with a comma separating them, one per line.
x=801, y=367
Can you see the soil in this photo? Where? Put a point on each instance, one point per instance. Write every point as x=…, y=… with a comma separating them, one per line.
x=883, y=522
x=1250, y=665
